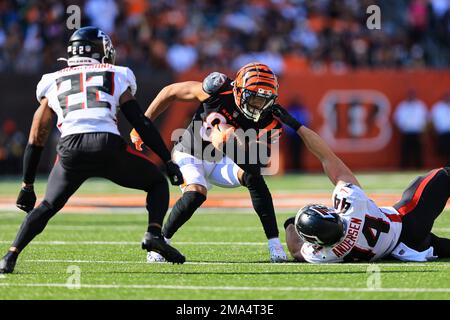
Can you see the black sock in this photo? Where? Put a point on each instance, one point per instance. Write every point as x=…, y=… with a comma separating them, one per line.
x=441, y=246
x=154, y=230
x=262, y=203
x=182, y=211
x=157, y=205
x=34, y=224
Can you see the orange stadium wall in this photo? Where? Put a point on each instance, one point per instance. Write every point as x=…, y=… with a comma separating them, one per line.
x=365, y=140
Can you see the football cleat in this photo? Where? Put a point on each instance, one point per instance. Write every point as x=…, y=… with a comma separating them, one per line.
x=8, y=263
x=276, y=251
x=158, y=244
x=155, y=257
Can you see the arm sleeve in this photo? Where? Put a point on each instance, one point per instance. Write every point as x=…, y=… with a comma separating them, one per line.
x=31, y=158
x=145, y=128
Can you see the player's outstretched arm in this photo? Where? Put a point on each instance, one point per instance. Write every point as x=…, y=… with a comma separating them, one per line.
x=39, y=132
x=333, y=166
x=182, y=91
x=149, y=134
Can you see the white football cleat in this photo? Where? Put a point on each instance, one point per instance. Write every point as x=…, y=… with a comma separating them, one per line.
x=276, y=251
x=155, y=257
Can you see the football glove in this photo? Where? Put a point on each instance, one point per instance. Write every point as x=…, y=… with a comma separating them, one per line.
x=26, y=199
x=174, y=173
x=136, y=139
x=284, y=116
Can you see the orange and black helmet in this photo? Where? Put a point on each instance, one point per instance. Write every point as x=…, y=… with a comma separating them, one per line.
x=255, y=89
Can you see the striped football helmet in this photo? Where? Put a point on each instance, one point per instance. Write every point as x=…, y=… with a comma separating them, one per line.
x=255, y=89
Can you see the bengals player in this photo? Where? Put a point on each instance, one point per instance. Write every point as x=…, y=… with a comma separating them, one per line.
x=241, y=103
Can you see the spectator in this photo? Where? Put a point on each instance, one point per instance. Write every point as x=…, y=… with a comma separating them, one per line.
x=294, y=144
x=440, y=116
x=102, y=14
x=327, y=34
x=411, y=119
x=12, y=146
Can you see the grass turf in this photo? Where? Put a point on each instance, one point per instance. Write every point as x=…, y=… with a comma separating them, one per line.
x=226, y=250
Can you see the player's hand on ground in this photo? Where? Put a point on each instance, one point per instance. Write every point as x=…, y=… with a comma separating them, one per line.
x=26, y=199
x=136, y=139
x=174, y=173
x=284, y=116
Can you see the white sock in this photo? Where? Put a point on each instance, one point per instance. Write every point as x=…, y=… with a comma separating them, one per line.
x=274, y=242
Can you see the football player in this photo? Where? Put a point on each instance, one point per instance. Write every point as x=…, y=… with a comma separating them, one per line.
x=242, y=103
x=85, y=97
x=355, y=228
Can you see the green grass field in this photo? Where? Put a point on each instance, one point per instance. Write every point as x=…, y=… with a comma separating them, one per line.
x=226, y=252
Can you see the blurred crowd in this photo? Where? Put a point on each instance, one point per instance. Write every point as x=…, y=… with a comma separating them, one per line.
x=178, y=35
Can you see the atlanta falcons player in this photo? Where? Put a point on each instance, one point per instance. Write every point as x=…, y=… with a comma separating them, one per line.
x=356, y=229
x=85, y=96
x=242, y=103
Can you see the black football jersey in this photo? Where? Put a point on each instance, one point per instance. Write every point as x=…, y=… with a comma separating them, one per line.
x=221, y=108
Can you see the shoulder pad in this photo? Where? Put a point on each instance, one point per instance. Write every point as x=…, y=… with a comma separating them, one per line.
x=213, y=82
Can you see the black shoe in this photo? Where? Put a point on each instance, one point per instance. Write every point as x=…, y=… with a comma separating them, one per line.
x=158, y=244
x=8, y=262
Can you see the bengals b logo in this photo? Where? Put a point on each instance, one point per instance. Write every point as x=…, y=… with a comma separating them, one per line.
x=356, y=120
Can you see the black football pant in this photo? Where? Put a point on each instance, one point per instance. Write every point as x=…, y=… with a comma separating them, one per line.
x=421, y=204
x=105, y=155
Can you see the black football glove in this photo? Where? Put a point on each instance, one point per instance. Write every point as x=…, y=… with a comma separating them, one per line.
x=26, y=199
x=284, y=116
x=174, y=173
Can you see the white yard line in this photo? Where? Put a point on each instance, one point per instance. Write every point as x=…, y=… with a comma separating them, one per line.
x=418, y=264
x=119, y=243
x=142, y=211
x=135, y=227
x=224, y=288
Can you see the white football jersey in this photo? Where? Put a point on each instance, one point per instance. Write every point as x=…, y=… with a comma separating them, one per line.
x=371, y=232
x=85, y=98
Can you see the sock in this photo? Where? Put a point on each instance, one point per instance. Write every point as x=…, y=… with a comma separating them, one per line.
x=182, y=211
x=274, y=242
x=154, y=230
x=157, y=205
x=262, y=203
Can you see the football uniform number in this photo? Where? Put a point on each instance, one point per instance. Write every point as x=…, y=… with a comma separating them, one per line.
x=77, y=86
x=341, y=205
x=372, y=224
x=92, y=92
x=214, y=118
